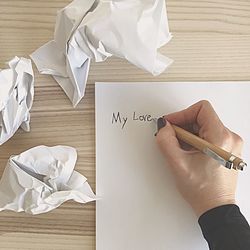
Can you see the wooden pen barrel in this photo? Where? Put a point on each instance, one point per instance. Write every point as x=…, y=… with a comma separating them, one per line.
x=202, y=145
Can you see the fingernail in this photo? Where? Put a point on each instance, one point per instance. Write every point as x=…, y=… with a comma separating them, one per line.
x=161, y=123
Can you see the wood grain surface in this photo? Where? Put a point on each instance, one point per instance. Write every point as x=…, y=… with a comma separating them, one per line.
x=211, y=42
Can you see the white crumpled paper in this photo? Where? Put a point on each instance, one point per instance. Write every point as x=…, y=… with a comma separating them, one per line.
x=41, y=179
x=89, y=29
x=16, y=97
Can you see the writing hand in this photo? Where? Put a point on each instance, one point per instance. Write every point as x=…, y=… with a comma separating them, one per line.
x=203, y=183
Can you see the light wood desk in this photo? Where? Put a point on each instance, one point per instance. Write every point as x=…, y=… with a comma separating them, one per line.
x=211, y=42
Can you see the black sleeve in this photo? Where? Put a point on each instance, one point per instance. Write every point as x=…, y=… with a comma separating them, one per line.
x=225, y=228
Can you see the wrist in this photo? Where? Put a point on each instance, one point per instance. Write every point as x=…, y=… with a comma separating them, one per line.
x=203, y=207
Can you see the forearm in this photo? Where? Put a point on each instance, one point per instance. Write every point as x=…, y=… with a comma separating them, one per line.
x=225, y=228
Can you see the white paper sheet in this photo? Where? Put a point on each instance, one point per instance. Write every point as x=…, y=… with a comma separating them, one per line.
x=140, y=207
x=41, y=179
x=16, y=97
x=130, y=29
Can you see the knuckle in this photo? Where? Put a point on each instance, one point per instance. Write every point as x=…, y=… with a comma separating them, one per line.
x=238, y=139
x=227, y=136
x=205, y=103
x=224, y=138
x=230, y=138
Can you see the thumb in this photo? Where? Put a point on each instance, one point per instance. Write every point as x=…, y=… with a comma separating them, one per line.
x=169, y=145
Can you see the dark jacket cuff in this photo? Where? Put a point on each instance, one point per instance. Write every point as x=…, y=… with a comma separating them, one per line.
x=221, y=218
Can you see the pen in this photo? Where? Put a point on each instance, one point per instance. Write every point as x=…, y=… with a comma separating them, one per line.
x=225, y=158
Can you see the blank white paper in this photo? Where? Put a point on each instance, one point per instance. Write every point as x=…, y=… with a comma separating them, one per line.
x=140, y=208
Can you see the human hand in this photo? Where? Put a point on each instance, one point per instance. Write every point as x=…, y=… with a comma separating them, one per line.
x=201, y=180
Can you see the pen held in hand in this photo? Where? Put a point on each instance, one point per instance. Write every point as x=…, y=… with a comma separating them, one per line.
x=225, y=158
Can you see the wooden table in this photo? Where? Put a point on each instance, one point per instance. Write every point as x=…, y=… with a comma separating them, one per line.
x=211, y=42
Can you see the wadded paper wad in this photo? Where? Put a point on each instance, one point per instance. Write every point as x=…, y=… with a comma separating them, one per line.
x=91, y=29
x=16, y=97
x=41, y=179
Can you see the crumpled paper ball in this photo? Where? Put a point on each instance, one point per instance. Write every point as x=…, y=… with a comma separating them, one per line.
x=41, y=179
x=89, y=29
x=16, y=97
